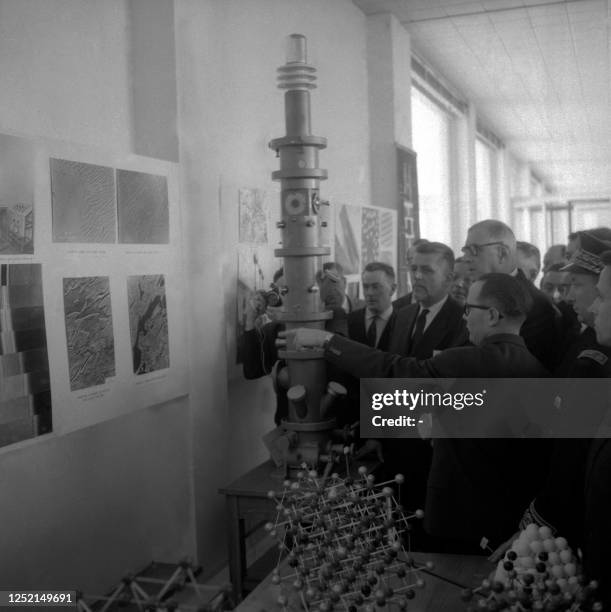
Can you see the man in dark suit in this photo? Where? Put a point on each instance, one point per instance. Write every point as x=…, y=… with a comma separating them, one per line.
x=491, y=247
x=431, y=324
x=435, y=321
x=477, y=488
x=373, y=326
x=597, y=537
x=408, y=298
x=585, y=357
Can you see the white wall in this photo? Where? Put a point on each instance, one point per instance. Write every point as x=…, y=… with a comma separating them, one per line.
x=80, y=510
x=64, y=72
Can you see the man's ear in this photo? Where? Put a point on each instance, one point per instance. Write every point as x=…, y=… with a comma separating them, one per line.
x=494, y=316
x=393, y=288
x=503, y=251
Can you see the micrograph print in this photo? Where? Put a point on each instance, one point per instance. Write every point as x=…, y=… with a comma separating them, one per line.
x=142, y=201
x=89, y=332
x=148, y=323
x=253, y=216
x=16, y=195
x=25, y=386
x=370, y=238
x=347, y=231
x=83, y=202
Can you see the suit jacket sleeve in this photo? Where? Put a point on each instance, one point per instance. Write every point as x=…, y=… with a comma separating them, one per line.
x=540, y=328
x=259, y=352
x=362, y=361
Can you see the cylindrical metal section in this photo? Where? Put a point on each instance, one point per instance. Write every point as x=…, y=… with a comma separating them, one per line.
x=301, y=249
x=309, y=373
x=299, y=157
x=296, y=49
x=300, y=276
x=297, y=112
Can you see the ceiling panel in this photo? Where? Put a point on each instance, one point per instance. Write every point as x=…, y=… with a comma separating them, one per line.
x=538, y=72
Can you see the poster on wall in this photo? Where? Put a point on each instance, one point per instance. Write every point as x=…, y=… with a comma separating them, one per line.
x=378, y=236
x=89, y=331
x=148, y=323
x=256, y=269
x=348, y=238
x=254, y=216
x=92, y=293
x=408, y=207
x=16, y=195
x=142, y=205
x=364, y=234
x=83, y=202
x=108, y=234
x=25, y=389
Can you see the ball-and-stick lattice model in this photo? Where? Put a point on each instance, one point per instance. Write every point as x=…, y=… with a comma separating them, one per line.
x=538, y=573
x=343, y=542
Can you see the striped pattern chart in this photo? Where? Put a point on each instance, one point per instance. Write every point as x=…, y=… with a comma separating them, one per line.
x=25, y=390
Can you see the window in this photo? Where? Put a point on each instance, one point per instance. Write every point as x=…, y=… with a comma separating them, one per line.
x=484, y=159
x=431, y=141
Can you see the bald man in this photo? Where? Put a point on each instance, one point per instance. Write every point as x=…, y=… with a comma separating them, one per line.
x=491, y=247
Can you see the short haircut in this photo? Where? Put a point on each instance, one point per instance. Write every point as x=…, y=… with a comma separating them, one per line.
x=374, y=266
x=530, y=250
x=557, y=247
x=437, y=248
x=332, y=265
x=556, y=267
x=507, y=294
x=605, y=257
x=278, y=273
x=497, y=230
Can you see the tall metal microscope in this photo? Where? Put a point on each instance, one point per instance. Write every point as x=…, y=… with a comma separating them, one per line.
x=310, y=397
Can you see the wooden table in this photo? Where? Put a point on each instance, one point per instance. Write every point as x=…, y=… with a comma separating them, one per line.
x=438, y=595
x=246, y=501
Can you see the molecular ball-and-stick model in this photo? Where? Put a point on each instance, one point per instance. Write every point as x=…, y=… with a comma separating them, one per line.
x=539, y=573
x=342, y=545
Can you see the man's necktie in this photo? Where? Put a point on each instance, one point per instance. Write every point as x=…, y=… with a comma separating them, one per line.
x=372, y=332
x=419, y=328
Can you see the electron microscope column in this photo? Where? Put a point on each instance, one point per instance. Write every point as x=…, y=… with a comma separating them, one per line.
x=302, y=251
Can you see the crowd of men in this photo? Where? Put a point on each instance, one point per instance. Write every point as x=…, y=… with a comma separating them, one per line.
x=479, y=316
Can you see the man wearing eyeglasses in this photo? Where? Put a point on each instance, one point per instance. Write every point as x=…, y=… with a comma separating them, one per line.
x=491, y=247
x=466, y=500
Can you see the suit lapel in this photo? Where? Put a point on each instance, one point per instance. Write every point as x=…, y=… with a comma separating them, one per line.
x=356, y=326
x=384, y=341
x=406, y=320
x=435, y=332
